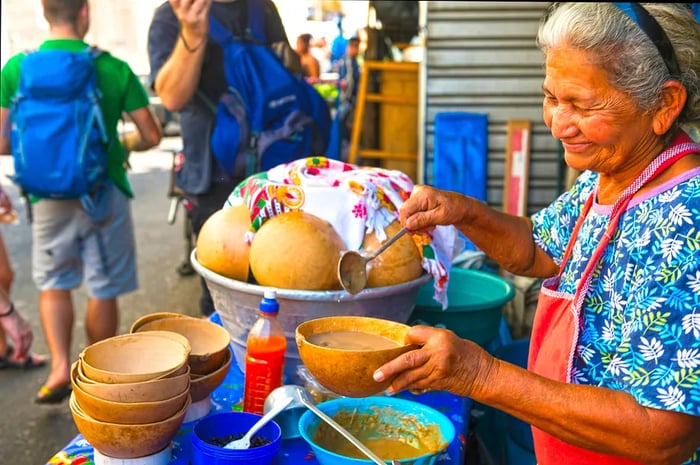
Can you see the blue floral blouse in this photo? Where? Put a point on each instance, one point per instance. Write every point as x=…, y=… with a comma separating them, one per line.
x=640, y=328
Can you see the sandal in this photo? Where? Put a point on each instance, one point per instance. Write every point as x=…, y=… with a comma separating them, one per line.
x=53, y=396
x=32, y=361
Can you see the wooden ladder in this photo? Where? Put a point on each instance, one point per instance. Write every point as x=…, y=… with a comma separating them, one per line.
x=398, y=100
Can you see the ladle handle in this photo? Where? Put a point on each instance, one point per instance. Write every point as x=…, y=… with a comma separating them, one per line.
x=355, y=442
x=388, y=243
x=268, y=416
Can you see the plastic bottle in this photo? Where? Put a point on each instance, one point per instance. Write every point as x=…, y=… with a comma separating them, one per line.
x=265, y=349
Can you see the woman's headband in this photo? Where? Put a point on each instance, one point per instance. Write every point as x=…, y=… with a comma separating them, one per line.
x=655, y=32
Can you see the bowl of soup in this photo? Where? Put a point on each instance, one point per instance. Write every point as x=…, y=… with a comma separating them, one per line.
x=392, y=428
x=343, y=352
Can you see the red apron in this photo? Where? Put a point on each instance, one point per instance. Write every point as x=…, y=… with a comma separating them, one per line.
x=555, y=330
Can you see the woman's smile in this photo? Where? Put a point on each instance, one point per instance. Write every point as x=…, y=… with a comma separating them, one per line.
x=576, y=147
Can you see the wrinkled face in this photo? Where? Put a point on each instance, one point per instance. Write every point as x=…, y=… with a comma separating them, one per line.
x=600, y=127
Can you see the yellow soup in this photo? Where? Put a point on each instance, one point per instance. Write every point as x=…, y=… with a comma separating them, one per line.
x=386, y=432
x=386, y=449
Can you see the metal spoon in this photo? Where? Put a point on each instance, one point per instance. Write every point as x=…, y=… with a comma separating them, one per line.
x=244, y=442
x=352, y=266
x=302, y=395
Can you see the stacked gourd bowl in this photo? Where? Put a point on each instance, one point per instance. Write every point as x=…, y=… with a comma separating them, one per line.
x=131, y=393
x=210, y=356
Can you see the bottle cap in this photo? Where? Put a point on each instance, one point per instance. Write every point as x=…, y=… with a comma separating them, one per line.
x=270, y=293
x=269, y=302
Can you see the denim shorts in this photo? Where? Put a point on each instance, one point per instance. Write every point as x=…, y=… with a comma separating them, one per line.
x=68, y=246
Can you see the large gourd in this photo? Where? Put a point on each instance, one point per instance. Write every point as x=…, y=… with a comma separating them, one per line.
x=296, y=250
x=400, y=263
x=221, y=245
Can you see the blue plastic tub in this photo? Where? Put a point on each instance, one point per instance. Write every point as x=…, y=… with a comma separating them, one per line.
x=228, y=423
x=474, y=308
x=395, y=412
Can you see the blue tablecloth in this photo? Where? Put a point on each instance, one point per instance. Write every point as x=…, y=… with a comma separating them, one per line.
x=229, y=395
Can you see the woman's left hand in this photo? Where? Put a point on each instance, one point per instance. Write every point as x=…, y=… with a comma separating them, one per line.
x=445, y=362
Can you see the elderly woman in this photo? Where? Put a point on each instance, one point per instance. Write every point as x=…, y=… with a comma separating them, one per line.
x=614, y=363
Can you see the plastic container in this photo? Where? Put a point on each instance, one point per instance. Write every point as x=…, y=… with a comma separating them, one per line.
x=233, y=423
x=265, y=350
x=404, y=415
x=474, y=303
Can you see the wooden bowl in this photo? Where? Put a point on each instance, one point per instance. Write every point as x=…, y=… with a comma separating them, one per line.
x=131, y=358
x=129, y=413
x=208, y=340
x=153, y=317
x=127, y=441
x=348, y=371
x=144, y=391
x=202, y=386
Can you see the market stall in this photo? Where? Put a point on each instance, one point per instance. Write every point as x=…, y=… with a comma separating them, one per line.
x=288, y=204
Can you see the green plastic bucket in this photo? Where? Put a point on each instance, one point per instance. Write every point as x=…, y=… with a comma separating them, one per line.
x=475, y=300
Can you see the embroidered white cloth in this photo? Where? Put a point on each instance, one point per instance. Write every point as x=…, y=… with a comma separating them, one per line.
x=355, y=200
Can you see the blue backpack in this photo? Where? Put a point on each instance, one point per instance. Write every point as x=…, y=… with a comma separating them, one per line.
x=268, y=115
x=57, y=135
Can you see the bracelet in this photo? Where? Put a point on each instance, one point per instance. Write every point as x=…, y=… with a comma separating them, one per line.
x=9, y=312
x=187, y=46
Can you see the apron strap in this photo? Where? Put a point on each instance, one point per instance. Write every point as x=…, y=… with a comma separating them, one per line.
x=574, y=233
x=667, y=158
x=680, y=147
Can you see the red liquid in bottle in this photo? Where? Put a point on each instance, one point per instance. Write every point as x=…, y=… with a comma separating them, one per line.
x=263, y=370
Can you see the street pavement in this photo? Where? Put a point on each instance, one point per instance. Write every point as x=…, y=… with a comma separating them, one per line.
x=31, y=434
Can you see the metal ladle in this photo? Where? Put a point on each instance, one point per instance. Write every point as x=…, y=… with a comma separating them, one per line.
x=301, y=395
x=352, y=266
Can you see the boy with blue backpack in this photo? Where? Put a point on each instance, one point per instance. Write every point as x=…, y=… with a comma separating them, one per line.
x=59, y=110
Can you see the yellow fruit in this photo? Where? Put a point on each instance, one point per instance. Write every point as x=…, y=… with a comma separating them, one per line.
x=221, y=245
x=400, y=263
x=296, y=250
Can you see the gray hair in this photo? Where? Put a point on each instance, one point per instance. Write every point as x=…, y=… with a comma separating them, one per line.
x=633, y=63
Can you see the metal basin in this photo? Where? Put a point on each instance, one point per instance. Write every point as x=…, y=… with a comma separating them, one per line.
x=237, y=304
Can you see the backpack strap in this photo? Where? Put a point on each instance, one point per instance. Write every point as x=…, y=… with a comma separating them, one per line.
x=94, y=52
x=255, y=29
x=218, y=32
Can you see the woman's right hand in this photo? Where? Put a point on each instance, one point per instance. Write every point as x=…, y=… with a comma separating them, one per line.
x=444, y=362
x=428, y=207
